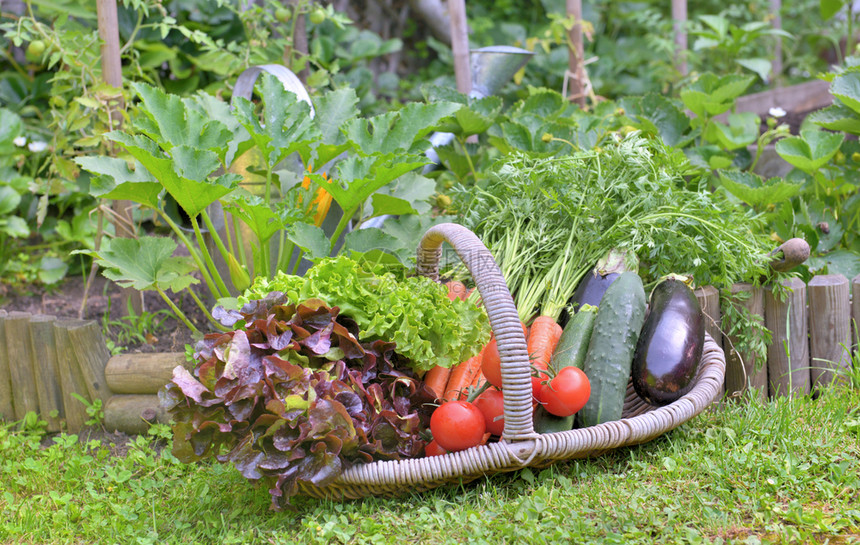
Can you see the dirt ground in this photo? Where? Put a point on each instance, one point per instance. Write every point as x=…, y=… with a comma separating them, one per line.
x=162, y=332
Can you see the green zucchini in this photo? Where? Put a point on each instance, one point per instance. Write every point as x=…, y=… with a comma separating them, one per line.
x=611, y=348
x=546, y=422
x=573, y=344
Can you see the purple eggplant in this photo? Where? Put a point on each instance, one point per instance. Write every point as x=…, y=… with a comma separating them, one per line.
x=591, y=288
x=670, y=344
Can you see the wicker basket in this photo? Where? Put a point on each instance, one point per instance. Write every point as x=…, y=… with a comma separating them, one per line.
x=520, y=446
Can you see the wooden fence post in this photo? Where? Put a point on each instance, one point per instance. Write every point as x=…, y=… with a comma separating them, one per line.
x=679, y=18
x=709, y=300
x=70, y=379
x=17, y=341
x=829, y=328
x=460, y=45
x=45, y=366
x=741, y=372
x=788, y=353
x=855, y=313
x=576, y=56
x=7, y=408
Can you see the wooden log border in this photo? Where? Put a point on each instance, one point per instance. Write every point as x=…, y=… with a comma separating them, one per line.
x=45, y=363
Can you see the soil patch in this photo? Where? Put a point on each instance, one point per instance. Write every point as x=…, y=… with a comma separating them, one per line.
x=155, y=330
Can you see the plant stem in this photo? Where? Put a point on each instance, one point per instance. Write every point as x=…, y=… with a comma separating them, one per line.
x=207, y=258
x=298, y=260
x=462, y=142
x=344, y=221
x=206, y=311
x=178, y=312
x=195, y=254
x=215, y=236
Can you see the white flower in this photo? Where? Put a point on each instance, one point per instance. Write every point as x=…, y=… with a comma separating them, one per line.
x=36, y=147
x=776, y=112
x=20, y=141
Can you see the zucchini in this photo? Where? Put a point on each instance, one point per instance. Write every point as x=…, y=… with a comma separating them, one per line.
x=546, y=422
x=573, y=344
x=670, y=346
x=611, y=348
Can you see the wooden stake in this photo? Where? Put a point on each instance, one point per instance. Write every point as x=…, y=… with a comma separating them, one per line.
x=855, y=315
x=92, y=355
x=741, y=372
x=133, y=414
x=141, y=373
x=460, y=45
x=829, y=328
x=111, y=62
x=7, y=408
x=776, y=13
x=70, y=380
x=26, y=398
x=679, y=16
x=576, y=55
x=46, y=371
x=709, y=300
x=788, y=354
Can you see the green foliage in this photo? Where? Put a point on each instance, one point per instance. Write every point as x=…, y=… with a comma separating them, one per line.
x=770, y=472
x=412, y=312
x=204, y=170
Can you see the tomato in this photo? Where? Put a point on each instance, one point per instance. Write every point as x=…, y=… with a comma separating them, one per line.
x=317, y=16
x=35, y=50
x=457, y=425
x=491, y=362
x=566, y=393
x=283, y=14
x=433, y=449
x=492, y=405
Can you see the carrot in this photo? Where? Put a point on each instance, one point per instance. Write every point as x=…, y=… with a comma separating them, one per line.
x=477, y=382
x=543, y=338
x=436, y=379
x=461, y=377
x=456, y=290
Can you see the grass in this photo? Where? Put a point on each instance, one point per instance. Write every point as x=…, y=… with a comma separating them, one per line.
x=785, y=471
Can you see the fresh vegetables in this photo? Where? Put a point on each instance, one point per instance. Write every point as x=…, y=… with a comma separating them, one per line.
x=547, y=220
x=461, y=378
x=566, y=393
x=591, y=288
x=544, y=335
x=436, y=379
x=491, y=405
x=573, y=344
x=610, y=350
x=546, y=422
x=457, y=425
x=415, y=312
x=293, y=395
x=670, y=346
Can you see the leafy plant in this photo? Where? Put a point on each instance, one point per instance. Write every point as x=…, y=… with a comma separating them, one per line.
x=294, y=397
x=200, y=172
x=412, y=312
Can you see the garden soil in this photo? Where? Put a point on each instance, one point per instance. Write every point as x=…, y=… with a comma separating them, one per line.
x=105, y=305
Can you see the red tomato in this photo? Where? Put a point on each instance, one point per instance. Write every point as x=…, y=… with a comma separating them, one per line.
x=492, y=405
x=566, y=393
x=491, y=362
x=457, y=425
x=433, y=449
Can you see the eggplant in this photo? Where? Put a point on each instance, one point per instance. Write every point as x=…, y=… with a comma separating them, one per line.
x=591, y=288
x=669, y=349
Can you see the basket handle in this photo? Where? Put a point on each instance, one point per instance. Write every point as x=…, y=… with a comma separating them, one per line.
x=504, y=320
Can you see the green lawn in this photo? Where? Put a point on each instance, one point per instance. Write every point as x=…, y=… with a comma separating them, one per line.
x=786, y=471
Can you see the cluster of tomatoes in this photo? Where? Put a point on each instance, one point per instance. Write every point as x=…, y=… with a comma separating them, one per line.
x=458, y=425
